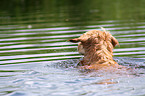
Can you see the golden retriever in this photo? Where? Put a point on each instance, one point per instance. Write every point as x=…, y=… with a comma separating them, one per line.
x=97, y=48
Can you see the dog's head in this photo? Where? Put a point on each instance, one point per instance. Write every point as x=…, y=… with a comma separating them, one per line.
x=93, y=38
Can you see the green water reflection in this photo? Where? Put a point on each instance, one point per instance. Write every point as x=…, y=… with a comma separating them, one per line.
x=30, y=27
x=40, y=11
x=33, y=32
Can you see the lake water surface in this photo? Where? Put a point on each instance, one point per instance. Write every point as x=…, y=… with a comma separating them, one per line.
x=37, y=60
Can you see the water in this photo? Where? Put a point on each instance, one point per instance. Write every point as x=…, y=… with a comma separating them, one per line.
x=37, y=60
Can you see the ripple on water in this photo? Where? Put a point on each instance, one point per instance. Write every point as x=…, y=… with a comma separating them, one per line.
x=37, y=60
x=61, y=77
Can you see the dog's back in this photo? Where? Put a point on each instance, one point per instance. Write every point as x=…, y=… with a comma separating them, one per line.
x=97, y=48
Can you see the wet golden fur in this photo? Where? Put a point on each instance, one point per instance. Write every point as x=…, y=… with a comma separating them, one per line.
x=97, y=48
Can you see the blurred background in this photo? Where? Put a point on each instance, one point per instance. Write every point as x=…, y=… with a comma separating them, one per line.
x=36, y=31
x=44, y=26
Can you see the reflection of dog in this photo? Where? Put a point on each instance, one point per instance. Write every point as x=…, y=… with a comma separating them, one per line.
x=97, y=48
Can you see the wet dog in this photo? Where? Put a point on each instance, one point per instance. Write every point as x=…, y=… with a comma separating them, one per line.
x=97, y=47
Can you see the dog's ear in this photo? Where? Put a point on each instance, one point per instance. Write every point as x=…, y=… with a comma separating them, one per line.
x=114, y=41
x=74, y=40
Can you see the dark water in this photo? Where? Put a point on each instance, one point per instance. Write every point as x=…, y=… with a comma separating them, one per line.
x=37, y=60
